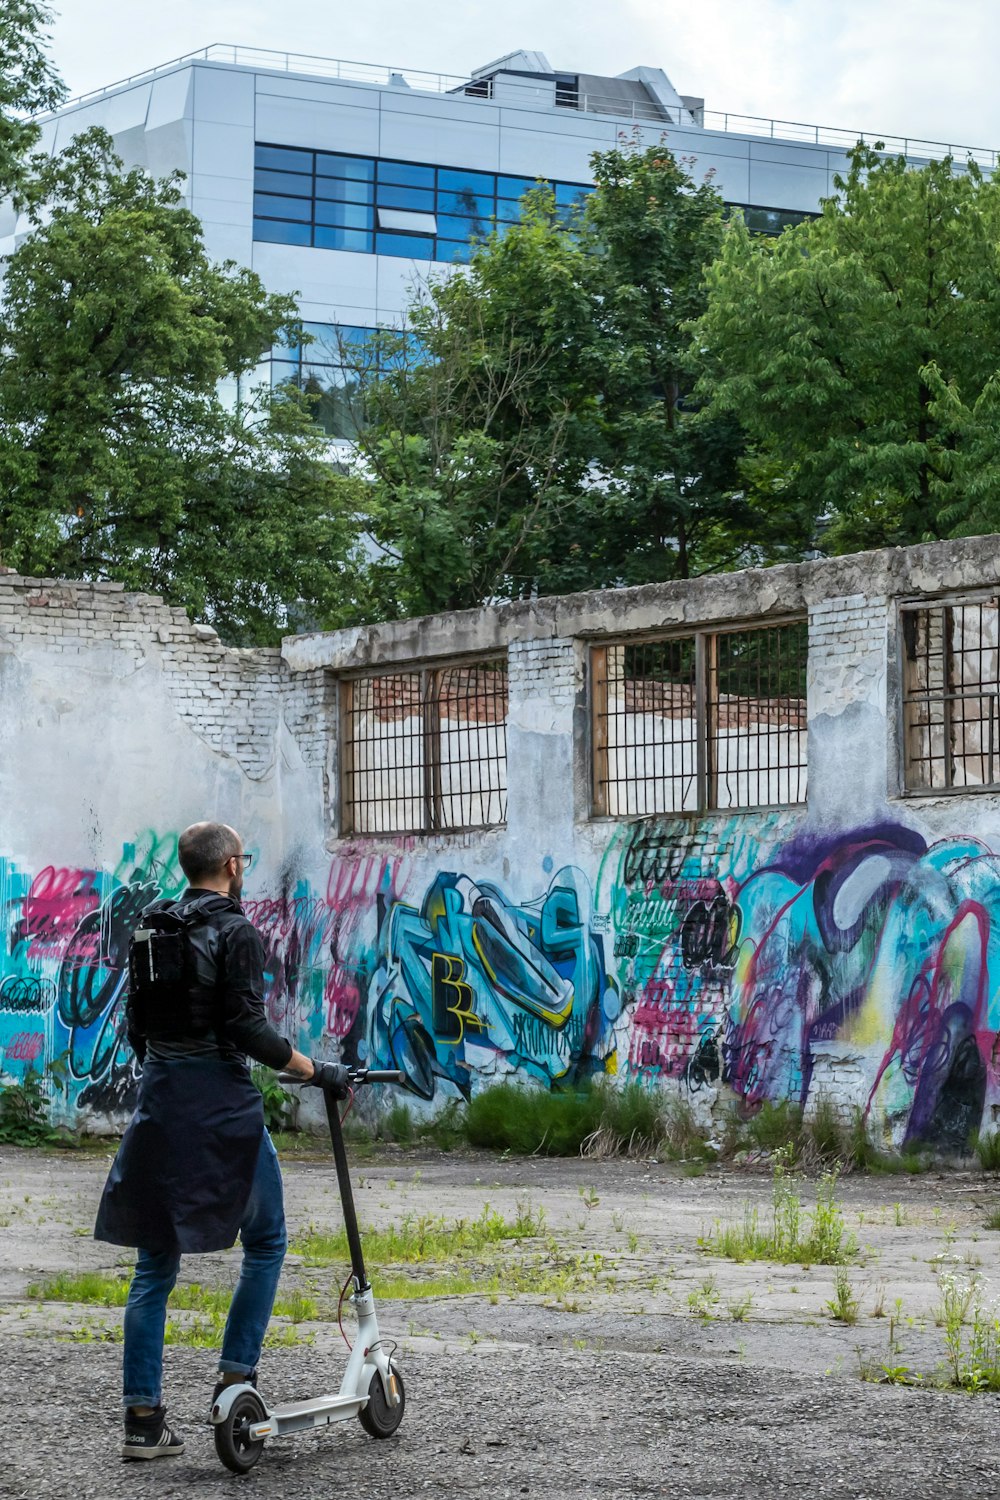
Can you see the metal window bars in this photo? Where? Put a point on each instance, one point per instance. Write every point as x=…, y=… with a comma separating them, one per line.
x=713, y=719
x=424, y=751
x=951, y=695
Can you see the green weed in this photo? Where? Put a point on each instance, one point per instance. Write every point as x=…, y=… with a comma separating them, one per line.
x=843, y=1306
x=415, y=1239
x=789, y=1237
x=987, y=1148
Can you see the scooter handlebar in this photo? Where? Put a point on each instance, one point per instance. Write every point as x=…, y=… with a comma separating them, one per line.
x=337, y=1078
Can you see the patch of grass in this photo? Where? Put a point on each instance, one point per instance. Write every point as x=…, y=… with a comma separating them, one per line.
x=739, y=1307
x=843, y=1306
x=824, y=1132
x=423, y=1238
x=992, y=1219
x=104, y=1290
x=777, y=1127
x=596, y=1118
x=790, y=1237
x=704, y=1299
x=397, y=1124
x=530, y=1121
x=987, y=1148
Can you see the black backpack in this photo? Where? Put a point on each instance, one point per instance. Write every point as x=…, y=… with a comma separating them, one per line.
x=165, y=997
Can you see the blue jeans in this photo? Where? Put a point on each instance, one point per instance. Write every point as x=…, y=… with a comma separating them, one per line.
x=264, y=1241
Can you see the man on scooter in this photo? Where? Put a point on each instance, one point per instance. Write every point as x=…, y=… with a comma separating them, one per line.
x=196, y=1165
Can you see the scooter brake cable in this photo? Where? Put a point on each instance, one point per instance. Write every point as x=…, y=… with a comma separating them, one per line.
x=340, y=1311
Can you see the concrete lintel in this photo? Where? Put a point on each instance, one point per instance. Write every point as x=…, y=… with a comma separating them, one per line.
x=755, y=593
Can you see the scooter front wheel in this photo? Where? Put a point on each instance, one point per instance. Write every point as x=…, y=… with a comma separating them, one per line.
x=237, y=1450
x=377, y=1417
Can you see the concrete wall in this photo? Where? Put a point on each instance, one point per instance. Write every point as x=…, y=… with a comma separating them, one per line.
x=848, y=947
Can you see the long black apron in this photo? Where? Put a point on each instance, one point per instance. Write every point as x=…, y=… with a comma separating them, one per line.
x=184, y=1170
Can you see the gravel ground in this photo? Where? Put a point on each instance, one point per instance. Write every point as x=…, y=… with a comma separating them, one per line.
x=619, y=1391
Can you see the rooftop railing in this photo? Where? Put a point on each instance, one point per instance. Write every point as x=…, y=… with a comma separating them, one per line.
x=638, y=111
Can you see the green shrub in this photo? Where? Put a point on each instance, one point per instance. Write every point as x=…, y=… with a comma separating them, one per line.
x=987, y=1146
x=397, y=1124
x=24, y=1112
x=776, y=1126
x=824, y=1131
x=279, y=1104
x=526, y=1121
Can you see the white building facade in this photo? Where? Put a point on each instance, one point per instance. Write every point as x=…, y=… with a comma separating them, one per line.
x=346, y=184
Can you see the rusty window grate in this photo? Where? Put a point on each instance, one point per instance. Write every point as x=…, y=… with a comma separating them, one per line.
x=425, y=751
x=712, y=719
x=951, y=695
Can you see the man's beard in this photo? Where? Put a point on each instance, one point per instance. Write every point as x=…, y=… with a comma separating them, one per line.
x=236, y=886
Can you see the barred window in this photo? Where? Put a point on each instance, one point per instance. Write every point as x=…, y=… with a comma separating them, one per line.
x=424, y=750
x=951, y=695
x=714, y=719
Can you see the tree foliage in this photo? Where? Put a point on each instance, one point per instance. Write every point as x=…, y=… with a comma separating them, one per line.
x=542, y=437
x=121, y=455
x=861, y=350
x=136, y=440
x=28, y=86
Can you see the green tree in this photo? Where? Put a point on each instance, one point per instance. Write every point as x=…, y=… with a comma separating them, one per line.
x=860, y=352
x=28, y=86
x=130, y=445
x=673, y=488
x=480, y=426
x=540, y=435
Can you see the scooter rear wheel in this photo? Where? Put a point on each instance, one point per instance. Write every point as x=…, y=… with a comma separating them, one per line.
x=237, y=1450
x=377, y=1417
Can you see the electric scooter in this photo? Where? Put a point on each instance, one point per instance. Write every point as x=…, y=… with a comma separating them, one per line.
x=372, y=1387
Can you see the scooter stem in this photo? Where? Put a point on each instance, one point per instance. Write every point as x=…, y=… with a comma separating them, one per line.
x=358, y=1272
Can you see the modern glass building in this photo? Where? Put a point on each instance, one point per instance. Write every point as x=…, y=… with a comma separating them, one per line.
x=345, y=183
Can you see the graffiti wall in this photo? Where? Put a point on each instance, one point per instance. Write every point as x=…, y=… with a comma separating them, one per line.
x=730, y=971
x=846, y=947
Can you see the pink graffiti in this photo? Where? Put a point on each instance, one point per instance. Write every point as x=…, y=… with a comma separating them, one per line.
x=313, y=948
x=665, y=1032
x=57, y=901
x=26, y=1046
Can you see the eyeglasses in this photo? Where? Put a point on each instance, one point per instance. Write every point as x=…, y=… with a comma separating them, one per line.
x=246, y=858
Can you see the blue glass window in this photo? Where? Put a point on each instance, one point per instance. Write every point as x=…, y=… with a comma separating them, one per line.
x=277, y=232
x=344, y=189
x=361, y=168
x=282, y=370
x=296, y=183
x=347, y=215
x=333, y=209
x=329, y=238
x=453, y=250
x=451, y=181
x=390, y=196
x=283, y=158
x=272, y=207
x=406, y=174
x=410, y=245
x=514, y=187
x=571, y=193
x=461, y=229
x=466, y=204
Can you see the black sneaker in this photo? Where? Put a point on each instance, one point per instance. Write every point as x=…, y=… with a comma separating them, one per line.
x=150, y=1437
x=220, y=1385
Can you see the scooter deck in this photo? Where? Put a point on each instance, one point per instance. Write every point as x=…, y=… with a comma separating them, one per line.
x=299, y=1415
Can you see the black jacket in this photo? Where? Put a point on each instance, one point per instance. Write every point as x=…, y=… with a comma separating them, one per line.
x=229, y=953
x=184, y=1170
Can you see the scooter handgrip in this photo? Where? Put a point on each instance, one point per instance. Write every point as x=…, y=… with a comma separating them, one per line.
x=384, y=1075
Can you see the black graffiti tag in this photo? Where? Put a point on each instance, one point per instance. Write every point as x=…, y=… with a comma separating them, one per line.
x=710, y=934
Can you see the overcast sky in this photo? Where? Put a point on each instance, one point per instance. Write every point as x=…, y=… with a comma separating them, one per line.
x=924, y=68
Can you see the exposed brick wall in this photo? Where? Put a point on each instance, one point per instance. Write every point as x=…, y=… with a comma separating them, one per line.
x=230, y=698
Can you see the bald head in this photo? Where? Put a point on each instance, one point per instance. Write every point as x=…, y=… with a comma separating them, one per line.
x=203, y=850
